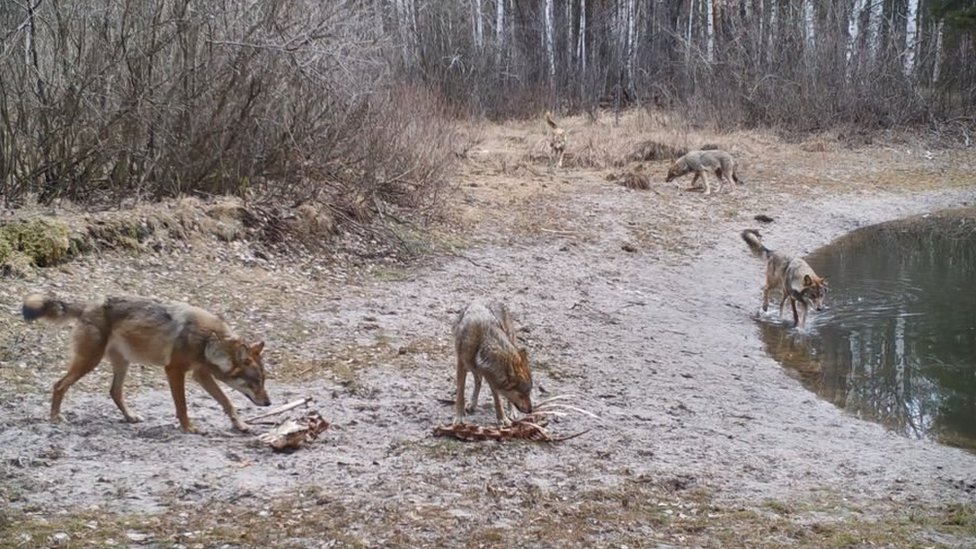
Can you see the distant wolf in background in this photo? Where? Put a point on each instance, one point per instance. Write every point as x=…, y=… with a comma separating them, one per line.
x=700, y=162
x=557, y=140
x=177, y=336
x=486, y=346
x=791, y=275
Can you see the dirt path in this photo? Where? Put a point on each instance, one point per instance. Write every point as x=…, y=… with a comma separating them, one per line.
x=703, y=439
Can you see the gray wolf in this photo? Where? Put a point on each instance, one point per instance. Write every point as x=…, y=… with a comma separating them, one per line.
x=180, y=337
x=701, y=162
x=791, y=275
x=557, y=140
x=484, y=339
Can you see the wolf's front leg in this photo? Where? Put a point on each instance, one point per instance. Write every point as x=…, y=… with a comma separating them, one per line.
x=475, y=393
x=503, y=419
x=462, y=374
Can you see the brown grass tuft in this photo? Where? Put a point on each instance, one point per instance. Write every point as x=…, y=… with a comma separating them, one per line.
x=651, y=150
x=633, y=180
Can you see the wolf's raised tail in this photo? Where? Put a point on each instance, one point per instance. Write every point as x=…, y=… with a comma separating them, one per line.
x=37, y=306
x=754, y=240
x=550, y=121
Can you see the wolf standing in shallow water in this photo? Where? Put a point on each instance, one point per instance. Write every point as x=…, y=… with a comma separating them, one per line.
x=484, y=338
x=792, y=275
x=180, y=337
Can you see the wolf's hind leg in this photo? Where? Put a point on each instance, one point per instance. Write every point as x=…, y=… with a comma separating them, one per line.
x=89, y=347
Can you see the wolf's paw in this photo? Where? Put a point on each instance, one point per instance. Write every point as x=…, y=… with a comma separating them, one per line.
x=133, y=418
x=191, y=429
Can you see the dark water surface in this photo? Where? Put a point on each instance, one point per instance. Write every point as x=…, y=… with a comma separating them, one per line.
x=897, y=343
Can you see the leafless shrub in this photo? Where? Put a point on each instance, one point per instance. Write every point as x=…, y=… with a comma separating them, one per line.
x=269, y=99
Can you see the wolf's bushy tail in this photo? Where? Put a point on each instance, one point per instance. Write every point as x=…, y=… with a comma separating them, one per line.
x=550, y=121
x=38, y=306
x=754, y=240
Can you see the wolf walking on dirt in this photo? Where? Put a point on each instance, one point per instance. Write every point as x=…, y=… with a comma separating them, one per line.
x=700, y=162
x=180, y=337
x=791, y=275
x=484, y=339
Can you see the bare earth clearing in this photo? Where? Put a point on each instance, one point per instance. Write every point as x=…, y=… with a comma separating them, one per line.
x=642, y=303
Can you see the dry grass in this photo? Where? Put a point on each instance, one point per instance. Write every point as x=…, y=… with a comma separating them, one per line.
x=634, y=514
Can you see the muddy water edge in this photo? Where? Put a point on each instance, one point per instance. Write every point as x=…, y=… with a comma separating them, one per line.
x=897, y=344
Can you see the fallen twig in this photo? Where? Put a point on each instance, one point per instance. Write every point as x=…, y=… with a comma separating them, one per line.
x=280, y=409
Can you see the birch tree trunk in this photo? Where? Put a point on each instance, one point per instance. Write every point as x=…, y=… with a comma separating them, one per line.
x=709, y=31
x=477, y=24
x=875, y=9
x=407, y=29
x=853, y=32
x=550, y=40
x=581, y=38
x=911, y=37
x=809, y=27
x=631, y=40
x=937, y=61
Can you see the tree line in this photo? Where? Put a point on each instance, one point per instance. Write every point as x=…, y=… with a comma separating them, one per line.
x=111, y=99
x=802, y=64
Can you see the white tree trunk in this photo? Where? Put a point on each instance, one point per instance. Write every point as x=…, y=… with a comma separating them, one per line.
x=500, y=22
x=853, y=32
x=875, y=13
x=911, y=37
x=407, y=29
x=709, y=31
x=550, y=40
x=631, y=39
x=809, y=26
x=478, y=24
x=691, y=18
x=499, y=30
x=581, y=39
x=937, y=63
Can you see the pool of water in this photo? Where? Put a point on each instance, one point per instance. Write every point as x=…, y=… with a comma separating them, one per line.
x=897, y=342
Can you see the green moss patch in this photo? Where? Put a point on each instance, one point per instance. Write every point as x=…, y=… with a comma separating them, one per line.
x=41, y=242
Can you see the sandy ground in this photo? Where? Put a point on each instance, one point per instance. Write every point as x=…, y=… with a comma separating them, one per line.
x=642, y=303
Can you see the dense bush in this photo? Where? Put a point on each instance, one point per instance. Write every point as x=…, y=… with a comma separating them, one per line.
x=101, y=101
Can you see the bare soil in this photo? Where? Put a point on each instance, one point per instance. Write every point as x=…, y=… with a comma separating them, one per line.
x=642, y=303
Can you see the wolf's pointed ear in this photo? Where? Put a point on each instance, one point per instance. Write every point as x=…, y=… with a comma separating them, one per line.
x=807, y=281
x=823, y=280
x=257, y=348
x=216, y=353
x=241, y=352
